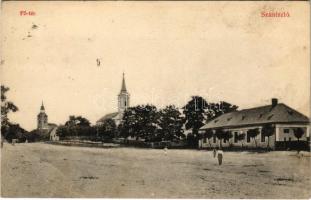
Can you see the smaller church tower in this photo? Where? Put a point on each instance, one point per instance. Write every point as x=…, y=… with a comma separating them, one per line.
x=123, y=98
x=42, y=118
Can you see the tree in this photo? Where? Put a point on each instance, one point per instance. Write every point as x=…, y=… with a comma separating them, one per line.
x=208, y=135
x=108, y=129
x=119, y=130
x=77, y=126
x=15, y=131
x=129, y=123
x=216, y=109
x=221, y=134
x=252, y=133
x=226, y=107
x=38, y=135
x=63, y=131
x=268, y=130
x=298, y=132
x=227, y=136
x=140, y=121
x=198, y=111
x=194, y=112
x=241, y=137
x=192, y=140
x=6, y=108
x=77, y=121
x=171, y=122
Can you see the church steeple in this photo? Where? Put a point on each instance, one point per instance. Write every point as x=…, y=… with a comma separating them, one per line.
x=123, y=97
x=123, y=88
x=42, y=107
x=42, y=118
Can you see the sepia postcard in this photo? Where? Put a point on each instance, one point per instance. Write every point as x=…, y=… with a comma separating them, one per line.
x=155, y=99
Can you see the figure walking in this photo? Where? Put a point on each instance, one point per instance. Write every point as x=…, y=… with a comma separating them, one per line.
x=220, y=156
x=165, y=150
x=214, y=152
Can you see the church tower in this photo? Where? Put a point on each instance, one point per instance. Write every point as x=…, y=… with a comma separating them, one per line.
x=123, y=98
x=42, y=118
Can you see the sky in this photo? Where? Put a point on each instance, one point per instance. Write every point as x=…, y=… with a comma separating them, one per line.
x=169, y=51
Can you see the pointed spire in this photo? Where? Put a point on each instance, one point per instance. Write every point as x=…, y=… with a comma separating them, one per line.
x=123, y=88
x=42, y=106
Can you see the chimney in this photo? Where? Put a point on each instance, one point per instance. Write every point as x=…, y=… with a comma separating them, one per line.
x=274, y=102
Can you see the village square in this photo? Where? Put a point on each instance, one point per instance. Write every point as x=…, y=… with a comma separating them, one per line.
x=128, y=162
x=158, y=99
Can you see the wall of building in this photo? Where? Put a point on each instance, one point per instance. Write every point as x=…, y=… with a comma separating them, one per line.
x=118, y=118
x=42, y=122
x=281, y=131
x=285, y=132
x=261, y=141
x=53, y=135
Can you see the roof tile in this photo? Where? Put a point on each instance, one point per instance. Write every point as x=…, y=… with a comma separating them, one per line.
x=280, y=113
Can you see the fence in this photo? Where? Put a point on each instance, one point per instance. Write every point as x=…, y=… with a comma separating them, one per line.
x=293, y=145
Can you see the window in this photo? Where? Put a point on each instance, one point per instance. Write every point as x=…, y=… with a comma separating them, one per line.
x=270, y=116
x=263, y=137
x=290, y=139
x=243, y=117
x=286, y=130
x=248, y=138
x=195, y=104
x=204, y=140
x=225, y=140
x=260, y=116
x=214, y=138
x=285, y=139
x=235, y=137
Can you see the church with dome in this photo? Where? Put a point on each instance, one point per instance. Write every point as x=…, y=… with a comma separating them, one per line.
x=123, y=104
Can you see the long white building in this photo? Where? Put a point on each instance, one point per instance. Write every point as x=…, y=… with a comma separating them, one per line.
x=281, y=117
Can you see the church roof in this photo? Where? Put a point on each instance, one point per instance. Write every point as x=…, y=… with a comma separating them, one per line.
x=42, y=114
x=279, y=113
x=123, y=87
x=42, y=110
x=42, y=106
x=108, y=116
x=46, y=131
x=52, y=125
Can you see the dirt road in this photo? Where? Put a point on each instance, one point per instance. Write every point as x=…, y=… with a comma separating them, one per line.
x=44, y=170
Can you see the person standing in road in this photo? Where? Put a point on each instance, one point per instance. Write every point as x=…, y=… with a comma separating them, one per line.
x=214, y=152
x=220, y=156
x=165, y=150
